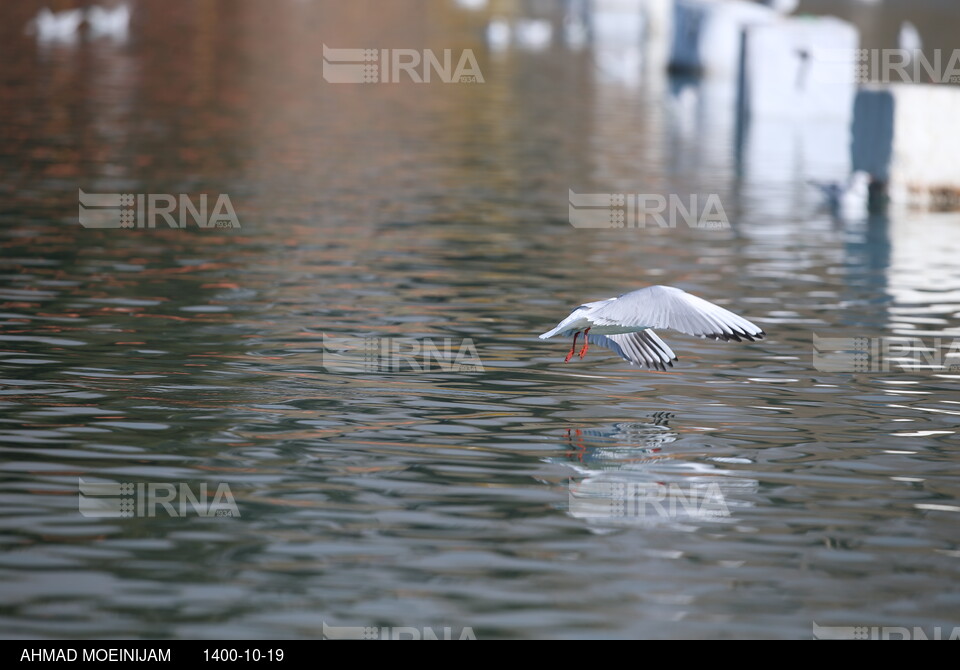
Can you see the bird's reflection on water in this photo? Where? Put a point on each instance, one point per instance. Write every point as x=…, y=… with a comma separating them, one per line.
x=626, y=475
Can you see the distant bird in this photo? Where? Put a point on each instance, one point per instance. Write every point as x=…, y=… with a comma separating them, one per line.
x=782, y=6
x=576, y=33
x=846, y=200
x=624, y=324
x=472, y=5
x=114, y=23
x=498, y=34
x=56, y=27
x=529, y=34
x=533, y=34
x=909, y=37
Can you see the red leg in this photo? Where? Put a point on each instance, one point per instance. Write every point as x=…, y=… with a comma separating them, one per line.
x=586, y=344
x=579, y=447
x=572, y=348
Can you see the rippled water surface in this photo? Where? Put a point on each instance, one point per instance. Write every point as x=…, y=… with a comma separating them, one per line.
x=441, y=497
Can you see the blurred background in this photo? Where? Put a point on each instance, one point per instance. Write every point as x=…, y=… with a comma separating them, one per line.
x=440, y=498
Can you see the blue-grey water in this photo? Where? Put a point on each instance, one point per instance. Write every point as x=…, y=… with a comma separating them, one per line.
x=380, y=495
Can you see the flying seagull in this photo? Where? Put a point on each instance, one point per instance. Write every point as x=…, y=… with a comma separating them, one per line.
x=624, y=324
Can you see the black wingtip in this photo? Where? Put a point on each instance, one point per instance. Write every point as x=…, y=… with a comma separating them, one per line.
x=736, y=336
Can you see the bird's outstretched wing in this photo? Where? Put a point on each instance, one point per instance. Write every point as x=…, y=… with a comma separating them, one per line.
x=642, y=348
x=669, y=307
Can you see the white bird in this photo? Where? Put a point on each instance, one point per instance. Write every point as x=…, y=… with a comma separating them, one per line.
x=56, y=27
x=624, y=324
x=114, y=23
x=472, y=5
x=908, y=38
x=782, y=6
x=498, y=34
x=909, y=41
x=533, y=34
x=576, y=33
x=848, y=200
